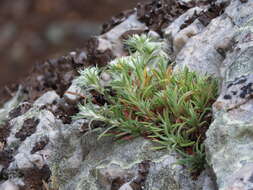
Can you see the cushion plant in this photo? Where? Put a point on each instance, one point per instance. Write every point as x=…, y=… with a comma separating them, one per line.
x=145, y=97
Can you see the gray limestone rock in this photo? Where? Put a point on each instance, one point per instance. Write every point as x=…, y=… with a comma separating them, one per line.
x=181, y=38
x=171, y=31
x=112, y=39
x=31, y=137
x=47, y=98
x=229, y=138
x=8, y=185
x=201, y=54
x=107, y=165
x=72, y=94
x=11, y=104
x=175, y=40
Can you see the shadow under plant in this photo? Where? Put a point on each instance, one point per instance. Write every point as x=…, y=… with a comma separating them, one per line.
x=141, y=95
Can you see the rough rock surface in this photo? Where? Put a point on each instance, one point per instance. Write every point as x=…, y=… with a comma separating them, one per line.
x=42, y=147
x=110, y=44
x=131, y=165
x=229, y=141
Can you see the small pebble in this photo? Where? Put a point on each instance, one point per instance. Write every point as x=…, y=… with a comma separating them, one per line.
x=105, y=76
x=73, y=53
x=153, y=34
x=126, y=186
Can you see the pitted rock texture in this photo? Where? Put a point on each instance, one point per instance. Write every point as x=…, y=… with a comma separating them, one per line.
x=238, y=93
x=111, y=40
x=109, y=165
x=201, y=54
x=229, y=141
x=28, y=128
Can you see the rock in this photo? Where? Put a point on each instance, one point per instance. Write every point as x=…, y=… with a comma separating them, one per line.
x=24, y=158
x=111, y=40
x=171, y=31
x=126, y=186
x=47, y=98
x=38, y=129
x=236, y=93
x=113, y=176
x=73, y=92
x=105, y=79
x=229, y=138
x=243, y=178
x=109, y=165
x=102, y=49
x=192, y=22
x=199, y=53
x=224, y=49
x=78, y=57
x=8, y=106
x=8, y=185
x=181, y=38
x=1, y=168
x=22, y=108
x=165, y=174
x=153, y=34
x=192, y=2
x=239, y=12
x=22, y=162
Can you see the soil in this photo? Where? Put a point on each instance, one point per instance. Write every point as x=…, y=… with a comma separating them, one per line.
x=40, y=145
x=115, y=20
x=139, y=180
x=28, y=128
x=20, y=110
x=34, y=178
x=54, y=74
x=143, y=170
x=96, y=57
x=159, y=14
x=211, y=13
x=7, y=92
x=65, y=110
x=4, y=132
x=5, y=158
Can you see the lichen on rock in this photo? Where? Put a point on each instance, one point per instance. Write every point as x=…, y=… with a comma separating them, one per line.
x=42, y=146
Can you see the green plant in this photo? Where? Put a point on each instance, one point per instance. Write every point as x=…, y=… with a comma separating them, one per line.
x=196, y=161
x=146, y=98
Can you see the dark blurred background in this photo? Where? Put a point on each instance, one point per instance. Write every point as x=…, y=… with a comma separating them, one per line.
x=34, y=30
